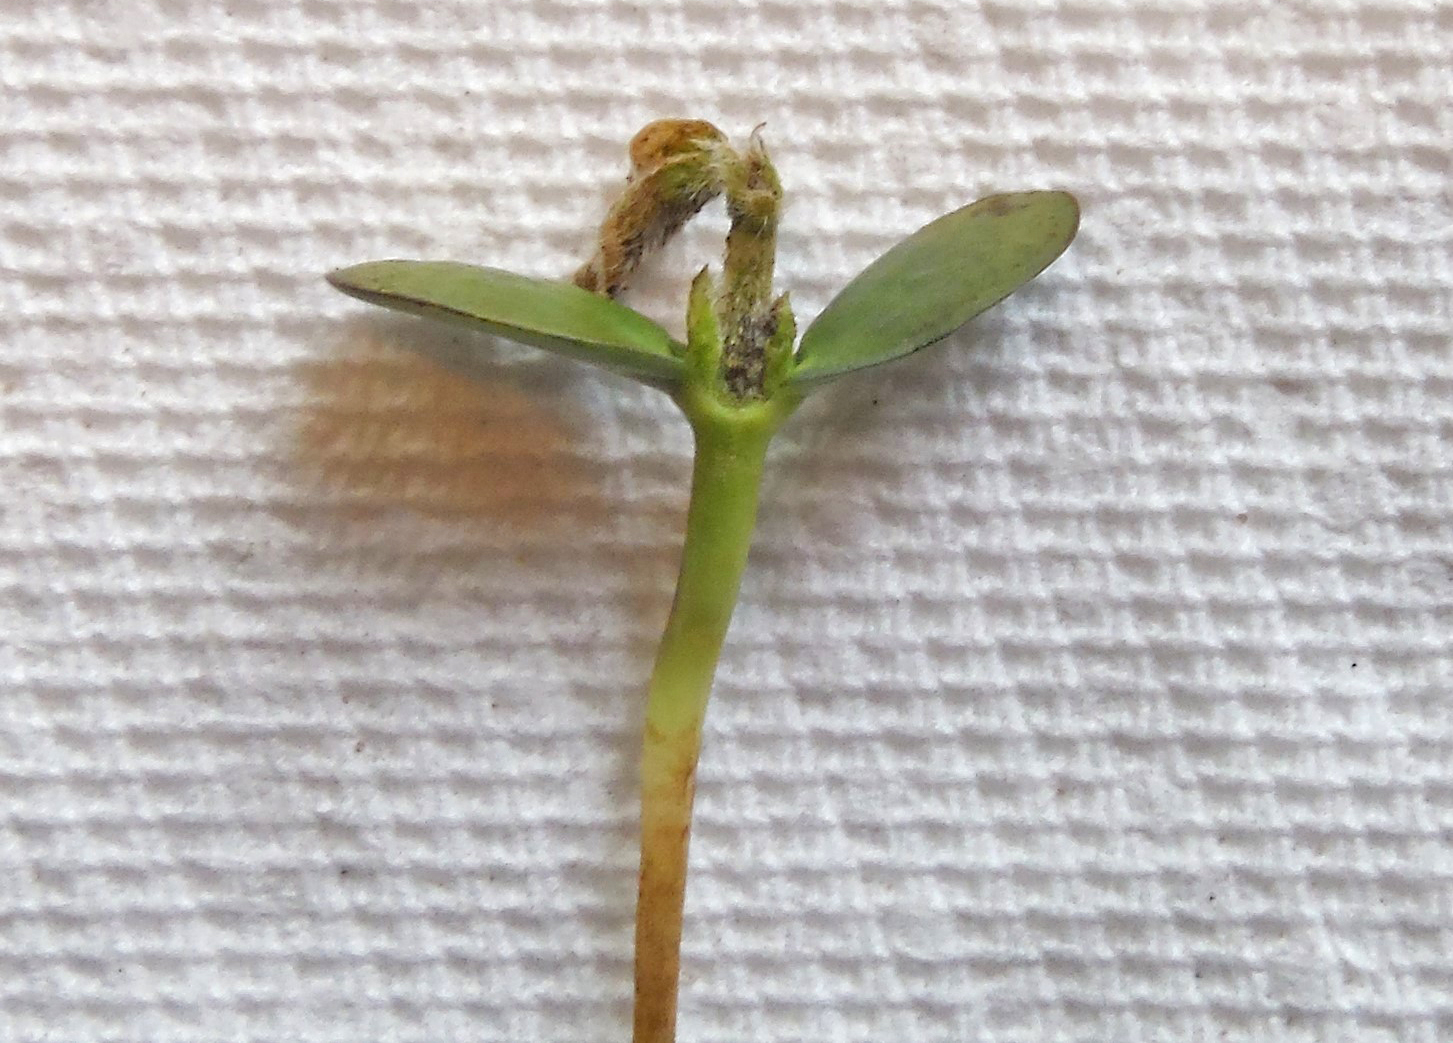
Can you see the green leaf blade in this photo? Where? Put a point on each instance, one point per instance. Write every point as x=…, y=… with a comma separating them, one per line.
x=936, y=280
x=555, y=316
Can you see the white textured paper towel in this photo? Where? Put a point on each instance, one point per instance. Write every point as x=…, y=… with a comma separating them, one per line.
x=1092, y=677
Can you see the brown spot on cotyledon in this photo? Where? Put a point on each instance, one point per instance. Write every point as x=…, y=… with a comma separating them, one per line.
x=1002, y=206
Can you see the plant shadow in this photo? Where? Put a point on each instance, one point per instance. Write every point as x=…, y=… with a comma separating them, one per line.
x=432, y=461
x=405, y=419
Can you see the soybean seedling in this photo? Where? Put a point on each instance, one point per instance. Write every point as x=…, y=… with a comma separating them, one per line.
x=740, y=373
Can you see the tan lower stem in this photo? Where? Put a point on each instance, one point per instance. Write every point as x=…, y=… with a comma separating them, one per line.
x=669, y=785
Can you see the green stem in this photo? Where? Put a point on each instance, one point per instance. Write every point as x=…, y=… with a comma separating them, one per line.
x=731, y=443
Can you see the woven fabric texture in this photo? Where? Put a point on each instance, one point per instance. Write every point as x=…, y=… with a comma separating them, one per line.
x=1092, y=677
